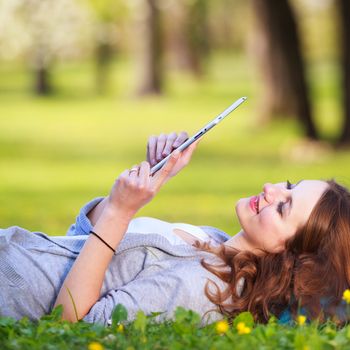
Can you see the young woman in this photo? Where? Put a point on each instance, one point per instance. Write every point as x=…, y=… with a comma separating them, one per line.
x=293, y=250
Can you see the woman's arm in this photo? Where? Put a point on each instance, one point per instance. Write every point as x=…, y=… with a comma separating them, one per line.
x=84, y=281
x=158, y=147
x=131, y=191
x=95, y=213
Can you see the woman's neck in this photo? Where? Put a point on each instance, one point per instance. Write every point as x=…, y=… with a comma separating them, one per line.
x=239, y=241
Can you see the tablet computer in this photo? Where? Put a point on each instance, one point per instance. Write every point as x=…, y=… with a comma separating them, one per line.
x=202, y=131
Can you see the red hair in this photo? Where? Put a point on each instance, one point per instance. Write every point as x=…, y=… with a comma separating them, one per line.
x=314, y=266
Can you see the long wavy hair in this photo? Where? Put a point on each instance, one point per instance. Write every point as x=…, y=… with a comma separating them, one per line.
x=312, y=271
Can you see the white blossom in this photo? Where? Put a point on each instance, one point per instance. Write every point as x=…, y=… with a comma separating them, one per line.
x=45, y=30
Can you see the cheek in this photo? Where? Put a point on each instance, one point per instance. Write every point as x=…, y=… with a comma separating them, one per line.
x=263, y=228
x=267, y=220
x=276, y=232
x=271, y=228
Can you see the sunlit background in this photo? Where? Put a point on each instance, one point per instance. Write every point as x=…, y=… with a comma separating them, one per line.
x=84, y=83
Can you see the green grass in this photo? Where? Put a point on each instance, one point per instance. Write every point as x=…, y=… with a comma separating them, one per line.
x=184, y=332
x=57, y=153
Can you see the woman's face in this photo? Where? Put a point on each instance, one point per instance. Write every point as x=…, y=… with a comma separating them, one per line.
x=273, y=216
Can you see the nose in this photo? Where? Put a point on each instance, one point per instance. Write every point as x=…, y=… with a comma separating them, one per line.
x=272, y=191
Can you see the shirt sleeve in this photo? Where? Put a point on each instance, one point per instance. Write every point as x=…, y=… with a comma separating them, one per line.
x=82, y=225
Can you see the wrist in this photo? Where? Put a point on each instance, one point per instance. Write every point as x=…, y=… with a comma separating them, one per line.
x=114, y=211
x=112, y=224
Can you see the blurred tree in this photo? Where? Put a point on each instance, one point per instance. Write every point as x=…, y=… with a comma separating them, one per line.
x=344, y=10
x=43, y=32
x=108, y=13
x=189, y=35
x=285, y=88
x=150, y=42
x=228, y=24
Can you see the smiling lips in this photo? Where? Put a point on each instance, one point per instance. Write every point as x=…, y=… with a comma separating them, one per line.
x=254, y=204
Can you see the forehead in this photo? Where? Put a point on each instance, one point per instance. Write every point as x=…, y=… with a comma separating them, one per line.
x=307, y=185
x=305, y=195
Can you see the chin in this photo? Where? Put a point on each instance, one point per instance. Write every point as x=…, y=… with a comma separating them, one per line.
x=244, y=214
x=241, y=204
x=239, y=207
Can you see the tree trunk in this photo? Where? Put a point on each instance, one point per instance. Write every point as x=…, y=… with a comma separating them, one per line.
x=151, y=54
x=189, y=35
x=344, y=9
x=285, y=86
x=103, y=62
x=42, y=83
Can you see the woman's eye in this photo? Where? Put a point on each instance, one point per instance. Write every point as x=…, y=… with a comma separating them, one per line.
x=280, y=207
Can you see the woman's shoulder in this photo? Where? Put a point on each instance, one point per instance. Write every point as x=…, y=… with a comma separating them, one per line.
x=19, y=236
x=215, y=233
x=16, y=234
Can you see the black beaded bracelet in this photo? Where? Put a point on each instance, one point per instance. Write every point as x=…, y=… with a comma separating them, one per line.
x=102, y=240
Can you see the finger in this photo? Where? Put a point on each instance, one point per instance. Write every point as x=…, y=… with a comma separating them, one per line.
x=144, y=173
x=169, y=145
x=151, y=150
x=160, y=146
x=124, y=175
x=134, y=172
x=183, y=136
x=163, y=173
x=193, y=146
x=187, y=153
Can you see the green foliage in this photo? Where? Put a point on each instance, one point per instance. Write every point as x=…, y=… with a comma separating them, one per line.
x=119, y=314
x=108, y=10
x=246, y=318
x=184, y=332
x=140, y=322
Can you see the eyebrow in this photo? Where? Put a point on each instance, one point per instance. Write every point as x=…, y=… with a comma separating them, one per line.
x=291, y=198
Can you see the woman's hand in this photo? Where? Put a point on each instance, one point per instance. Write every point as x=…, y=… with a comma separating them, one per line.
x=134, y=188
x=159, y=147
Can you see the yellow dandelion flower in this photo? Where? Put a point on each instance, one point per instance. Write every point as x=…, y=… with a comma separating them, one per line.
x=222, y=327
x=242, y=328
x=120, y=328
x=247, y=330
x=95, y=346
x=301, y=319
x=346, y=296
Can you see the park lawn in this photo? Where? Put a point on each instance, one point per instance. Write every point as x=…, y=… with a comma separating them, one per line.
x=183, y=332
x=57, y=153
